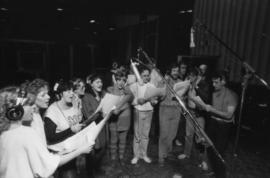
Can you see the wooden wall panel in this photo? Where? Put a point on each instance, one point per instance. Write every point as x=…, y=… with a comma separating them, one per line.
x=243, y=25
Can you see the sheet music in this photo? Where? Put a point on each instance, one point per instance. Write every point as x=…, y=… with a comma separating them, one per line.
x=152, y=91
x=107, y=102
x=88, y=135
x=155, y=78
x=181, y=87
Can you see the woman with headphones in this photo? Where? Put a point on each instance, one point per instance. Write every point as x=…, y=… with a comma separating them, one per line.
x=22, y=152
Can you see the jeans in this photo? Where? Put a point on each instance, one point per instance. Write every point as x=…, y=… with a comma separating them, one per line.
x=169, y=117
x=142, y=125
x=190, y=130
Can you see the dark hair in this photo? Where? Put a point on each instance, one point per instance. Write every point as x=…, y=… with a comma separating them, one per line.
x=222, y=75
x=142, y=69
x=63, y=86
x=193, y=71
x=173, y=65
x=182, y=63
x=92, y=77
x=120, y=74
x=89, y=80
x=76, y=83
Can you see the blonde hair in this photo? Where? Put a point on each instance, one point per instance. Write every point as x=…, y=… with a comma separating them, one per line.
x=8, y=97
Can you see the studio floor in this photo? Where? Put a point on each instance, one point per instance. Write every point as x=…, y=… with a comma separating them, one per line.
x=252, y=161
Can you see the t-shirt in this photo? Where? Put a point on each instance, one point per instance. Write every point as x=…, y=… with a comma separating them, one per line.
x=64, y=119
x=221, y=100
x=23, y=155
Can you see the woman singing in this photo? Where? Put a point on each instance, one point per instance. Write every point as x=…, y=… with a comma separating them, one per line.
x=22, y=152
x=62, y=120
x=90, y=102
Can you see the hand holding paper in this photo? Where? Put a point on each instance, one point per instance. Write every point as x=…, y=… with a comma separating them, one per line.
x=152, y=91
x=88, y=135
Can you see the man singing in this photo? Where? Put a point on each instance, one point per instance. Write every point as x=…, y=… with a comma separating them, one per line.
x=224, y=103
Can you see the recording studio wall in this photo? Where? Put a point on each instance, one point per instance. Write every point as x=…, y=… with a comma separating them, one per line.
x=243, y=25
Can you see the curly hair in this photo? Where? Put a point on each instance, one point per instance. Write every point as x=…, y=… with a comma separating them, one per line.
x=76, y=83
x=34, y=87
x=8, y=96
x=120, y=74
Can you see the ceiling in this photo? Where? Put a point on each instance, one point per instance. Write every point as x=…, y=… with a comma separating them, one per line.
x=71, y=19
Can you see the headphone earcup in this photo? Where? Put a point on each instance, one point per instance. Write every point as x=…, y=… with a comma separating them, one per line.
x=15, y=113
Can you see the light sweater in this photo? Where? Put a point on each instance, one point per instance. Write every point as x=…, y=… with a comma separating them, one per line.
x=23, y=155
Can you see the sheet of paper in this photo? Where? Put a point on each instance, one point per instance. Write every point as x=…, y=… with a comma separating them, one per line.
x=181, y=87
x=155, y=78
x=152, y=91
x=89, y=134
x=107, y=102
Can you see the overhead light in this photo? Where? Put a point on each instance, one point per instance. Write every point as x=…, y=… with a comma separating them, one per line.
x=92, y=21
x=76, y=28
x=95, y=33
x=4, y=9
x=60, y=9
x=185, y=11
x=111, y=28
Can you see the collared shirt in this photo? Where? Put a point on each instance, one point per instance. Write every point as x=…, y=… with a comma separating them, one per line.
x=138, y=92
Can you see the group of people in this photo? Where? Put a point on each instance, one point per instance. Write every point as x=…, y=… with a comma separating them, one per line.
x=29, y=126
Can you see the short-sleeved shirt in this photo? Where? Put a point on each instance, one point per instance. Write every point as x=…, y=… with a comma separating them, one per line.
x=64, y=119
x=222, y=100
x=23, y=155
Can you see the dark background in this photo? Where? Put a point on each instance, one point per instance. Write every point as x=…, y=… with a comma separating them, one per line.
x=37, y=39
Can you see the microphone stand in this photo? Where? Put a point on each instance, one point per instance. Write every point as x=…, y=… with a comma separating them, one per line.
x=244, y=85
x=243, y=63
x=249, y=72
x=186, y=111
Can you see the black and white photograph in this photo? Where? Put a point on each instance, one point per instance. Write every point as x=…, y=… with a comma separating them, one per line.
x=134, y=89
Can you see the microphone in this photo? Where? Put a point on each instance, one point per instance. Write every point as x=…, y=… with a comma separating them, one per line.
x=248, y=67
x=137, y=61
x=136, y=72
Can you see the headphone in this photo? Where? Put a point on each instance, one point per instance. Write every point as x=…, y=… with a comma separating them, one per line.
x=15, y=113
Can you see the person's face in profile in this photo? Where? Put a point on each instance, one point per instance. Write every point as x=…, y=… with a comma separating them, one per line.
x=80, y=91
x=42, y=98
